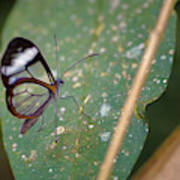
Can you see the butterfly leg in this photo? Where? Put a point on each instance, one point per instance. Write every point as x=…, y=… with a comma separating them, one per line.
x=56, y=123
x=56, y=113
x=80, y=108
x=42, y=124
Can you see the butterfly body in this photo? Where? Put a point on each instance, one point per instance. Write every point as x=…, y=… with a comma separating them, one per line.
x=27, y=95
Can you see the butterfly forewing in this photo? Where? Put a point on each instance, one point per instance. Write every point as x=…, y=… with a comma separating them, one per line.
x=29, y=98
x=22, y=58
x=37, y=70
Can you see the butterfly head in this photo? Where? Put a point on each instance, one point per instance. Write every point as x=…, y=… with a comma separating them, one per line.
x=59, y=82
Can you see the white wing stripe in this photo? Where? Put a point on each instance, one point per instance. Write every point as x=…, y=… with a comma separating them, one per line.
x=20, y=61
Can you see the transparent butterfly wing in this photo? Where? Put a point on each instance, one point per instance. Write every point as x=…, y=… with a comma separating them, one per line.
x=22, y=58
x=29, y=99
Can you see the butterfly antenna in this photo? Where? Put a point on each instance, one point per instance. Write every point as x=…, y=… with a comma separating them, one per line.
x=78, y=62
x=56, y=53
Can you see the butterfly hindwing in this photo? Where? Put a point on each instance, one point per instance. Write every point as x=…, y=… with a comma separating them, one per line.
x=27, y=99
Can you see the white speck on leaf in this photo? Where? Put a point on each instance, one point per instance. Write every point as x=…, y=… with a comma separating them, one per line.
x=171, y=51
x=165, y=81
x=115, y=178
x=105, y=136
x=50, y=170
x=135, y=51
x=102, y=50
x=60, y=130
x=146, y=129
x=14, y=146
x=104, y=111
x=170, y=60
x=20, y=136
x=90, y=126
x=163, y=57
x=24, y=157
x=62, y=109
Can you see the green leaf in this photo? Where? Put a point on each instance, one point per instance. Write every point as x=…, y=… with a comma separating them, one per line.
x=118, y=31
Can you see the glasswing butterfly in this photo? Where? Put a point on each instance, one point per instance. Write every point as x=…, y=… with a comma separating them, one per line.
x=29, y=82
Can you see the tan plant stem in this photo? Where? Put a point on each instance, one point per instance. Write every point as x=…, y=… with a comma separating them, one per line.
x=140, y=78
